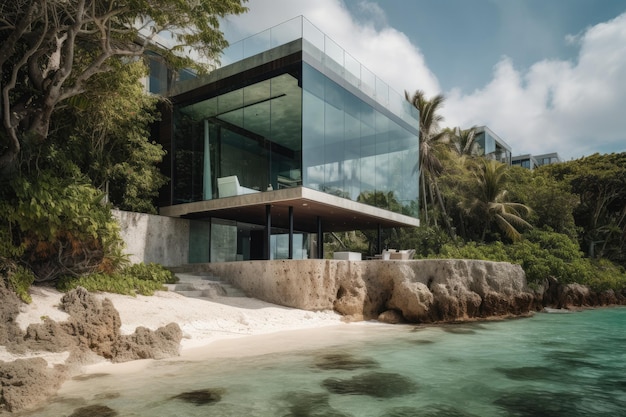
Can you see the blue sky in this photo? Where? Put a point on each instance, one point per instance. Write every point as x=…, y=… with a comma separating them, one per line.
x=545, y=75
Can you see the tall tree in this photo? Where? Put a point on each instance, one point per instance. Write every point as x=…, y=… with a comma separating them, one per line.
x=105, y=133
x=599, y=181
x=490, y=205
x=463, y=141
x=432, y=138
x=50, y=49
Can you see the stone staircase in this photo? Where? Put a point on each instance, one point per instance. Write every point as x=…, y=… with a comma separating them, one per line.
x=203, y=285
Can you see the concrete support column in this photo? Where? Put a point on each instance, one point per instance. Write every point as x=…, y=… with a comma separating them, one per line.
x=320, y=239
x=379, y=237
x=268, y=231
x=290, y=232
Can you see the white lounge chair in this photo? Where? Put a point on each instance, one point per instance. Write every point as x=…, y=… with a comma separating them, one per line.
x=229, y=187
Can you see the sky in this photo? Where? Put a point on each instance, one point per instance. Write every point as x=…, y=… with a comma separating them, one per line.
x=544, y=75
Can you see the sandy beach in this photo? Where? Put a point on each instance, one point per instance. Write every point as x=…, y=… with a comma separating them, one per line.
x=203, y=322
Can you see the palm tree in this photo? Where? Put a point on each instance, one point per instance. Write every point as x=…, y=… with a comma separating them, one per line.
x=490, y=202
x=432, y=138
x=463, y=141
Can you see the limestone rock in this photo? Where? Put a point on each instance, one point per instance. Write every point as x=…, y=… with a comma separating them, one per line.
x=422, y=290
x=351, y=300
x=574, y=295
x=606, y=298
x=95, y=324
x=27, y=382
x=413, y=299
x=9, y=309
x=147, y=344
x=48, y=336
x=92, y=328
x=391, y=317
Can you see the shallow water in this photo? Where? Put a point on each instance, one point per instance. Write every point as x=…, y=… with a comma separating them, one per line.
x=549, y=365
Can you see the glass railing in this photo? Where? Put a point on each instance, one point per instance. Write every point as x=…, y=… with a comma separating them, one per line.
x=330, y=54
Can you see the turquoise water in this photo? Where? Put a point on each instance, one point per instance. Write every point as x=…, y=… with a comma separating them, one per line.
x=548, y=365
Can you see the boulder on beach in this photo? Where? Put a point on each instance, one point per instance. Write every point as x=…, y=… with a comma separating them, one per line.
x=93, y=327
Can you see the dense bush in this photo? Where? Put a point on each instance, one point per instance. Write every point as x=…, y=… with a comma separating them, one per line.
x=544, y=254
x=54, y=227
x=20, y=280
x=134, y=279
x=58, y=231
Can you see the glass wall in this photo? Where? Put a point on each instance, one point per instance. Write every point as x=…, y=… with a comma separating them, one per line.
x=355, y=149
x=218, y=240
x=493, y=147
x=303, y=124
x=274, y=132
x=252, y=133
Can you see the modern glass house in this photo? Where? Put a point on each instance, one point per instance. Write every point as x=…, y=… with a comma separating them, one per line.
x=493, y=146
x=291, y=138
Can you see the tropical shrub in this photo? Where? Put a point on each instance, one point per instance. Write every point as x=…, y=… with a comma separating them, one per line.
x=20, y=280
x=135, y=279
x=543, y=254
x=55, y=226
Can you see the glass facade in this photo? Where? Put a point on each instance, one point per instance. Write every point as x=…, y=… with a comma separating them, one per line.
x=253, y=132
x=297, y=127
x=219, y=240
x=355, y=149
x=304, y=114
x=492, y=146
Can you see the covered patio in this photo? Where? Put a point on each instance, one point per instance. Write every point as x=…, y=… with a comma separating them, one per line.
x=294, y=209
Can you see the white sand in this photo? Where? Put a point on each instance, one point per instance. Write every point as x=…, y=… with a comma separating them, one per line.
x=202, y=322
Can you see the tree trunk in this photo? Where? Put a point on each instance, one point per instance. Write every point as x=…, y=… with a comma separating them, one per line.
x=424, y=196
x=444, y=213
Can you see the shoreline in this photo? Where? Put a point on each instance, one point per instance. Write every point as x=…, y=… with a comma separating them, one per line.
x=217, y=328
x=203, y=322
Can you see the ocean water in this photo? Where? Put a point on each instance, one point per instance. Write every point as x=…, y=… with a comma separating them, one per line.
x=548, y=365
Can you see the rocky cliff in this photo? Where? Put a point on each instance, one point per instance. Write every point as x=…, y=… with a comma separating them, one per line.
x=417, y=291
x=423, y=291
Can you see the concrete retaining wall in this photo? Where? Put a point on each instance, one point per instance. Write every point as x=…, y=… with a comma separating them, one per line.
x=151, y=238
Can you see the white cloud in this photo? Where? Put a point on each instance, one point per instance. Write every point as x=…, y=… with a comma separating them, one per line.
x=385, y=51
x=574, y=108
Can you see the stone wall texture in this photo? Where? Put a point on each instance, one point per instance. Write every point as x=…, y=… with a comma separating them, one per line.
x=422, y=291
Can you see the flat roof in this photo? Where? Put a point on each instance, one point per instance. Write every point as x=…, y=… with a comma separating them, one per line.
x=336, y=213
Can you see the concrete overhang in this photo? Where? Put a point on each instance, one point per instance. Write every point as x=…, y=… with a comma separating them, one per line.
x=336, y=213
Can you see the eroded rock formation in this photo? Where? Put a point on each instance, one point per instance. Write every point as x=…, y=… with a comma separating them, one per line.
x=25, y=382
x=419, y=291
x=557, y=295
x=93, y=327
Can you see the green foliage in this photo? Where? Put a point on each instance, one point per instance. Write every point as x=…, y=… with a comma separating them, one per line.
x=551, y=201
x=20, y=281
x=353, y=241
x=427, y=241
x=58, y=226
x=472, y=250
x=606, y=275
x=141, y=278
x=387, y=201
x=544, y=254
x=599, y=182
x=105, y=133
x=45, y=65
x=151, y=272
